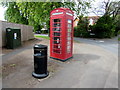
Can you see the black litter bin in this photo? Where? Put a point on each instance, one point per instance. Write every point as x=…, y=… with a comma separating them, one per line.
x=40, y=61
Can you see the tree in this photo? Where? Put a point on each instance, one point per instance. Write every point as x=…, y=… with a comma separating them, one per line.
x=80, y=7
x=13, y=14
x=82, y=28
x=34, y=13
x=104, y=28
x=37, y=13
x=117, y=24
x=108, y=7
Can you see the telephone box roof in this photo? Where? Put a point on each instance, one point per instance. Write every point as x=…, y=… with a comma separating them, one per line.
x=65, y=9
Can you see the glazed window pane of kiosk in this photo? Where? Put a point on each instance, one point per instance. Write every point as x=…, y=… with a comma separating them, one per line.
x=56, y=29
x=56, y=24
x=56, y=38
x=57, y=46
x=69, y=26
x=61, y=33
x=56, y=42
x=69, y=29
x=56, y=35
x=69, y=21
x=56, y=20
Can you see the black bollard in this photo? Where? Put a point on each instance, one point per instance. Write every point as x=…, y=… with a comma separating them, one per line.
x=40, y=61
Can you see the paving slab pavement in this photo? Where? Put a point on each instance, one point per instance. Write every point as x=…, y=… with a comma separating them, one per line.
x=90, y=67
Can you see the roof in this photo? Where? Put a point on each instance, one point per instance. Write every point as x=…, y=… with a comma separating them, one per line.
x=93, y=17
x=61, y=8
x=76, y=18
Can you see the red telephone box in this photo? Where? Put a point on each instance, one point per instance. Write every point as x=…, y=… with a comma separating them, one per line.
x=61, y=33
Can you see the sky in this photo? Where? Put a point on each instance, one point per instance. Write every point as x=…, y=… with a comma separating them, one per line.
x=2, y=10
x=94, y=4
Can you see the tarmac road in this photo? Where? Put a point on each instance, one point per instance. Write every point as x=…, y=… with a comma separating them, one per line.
x=108, y=44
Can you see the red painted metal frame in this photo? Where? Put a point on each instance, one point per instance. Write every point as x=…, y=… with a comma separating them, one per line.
x=64, y=55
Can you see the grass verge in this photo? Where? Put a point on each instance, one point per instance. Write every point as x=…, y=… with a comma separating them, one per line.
x=45, y=37
x=118, y=39
x=76, y=41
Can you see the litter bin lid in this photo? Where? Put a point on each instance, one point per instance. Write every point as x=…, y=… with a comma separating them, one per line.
x=40, y=46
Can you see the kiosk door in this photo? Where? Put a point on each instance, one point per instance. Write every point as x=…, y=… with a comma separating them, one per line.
x=56, y=36
x=69, y=35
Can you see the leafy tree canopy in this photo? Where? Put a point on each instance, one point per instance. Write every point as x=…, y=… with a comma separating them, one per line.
x=38, y=13
x=104, y=27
